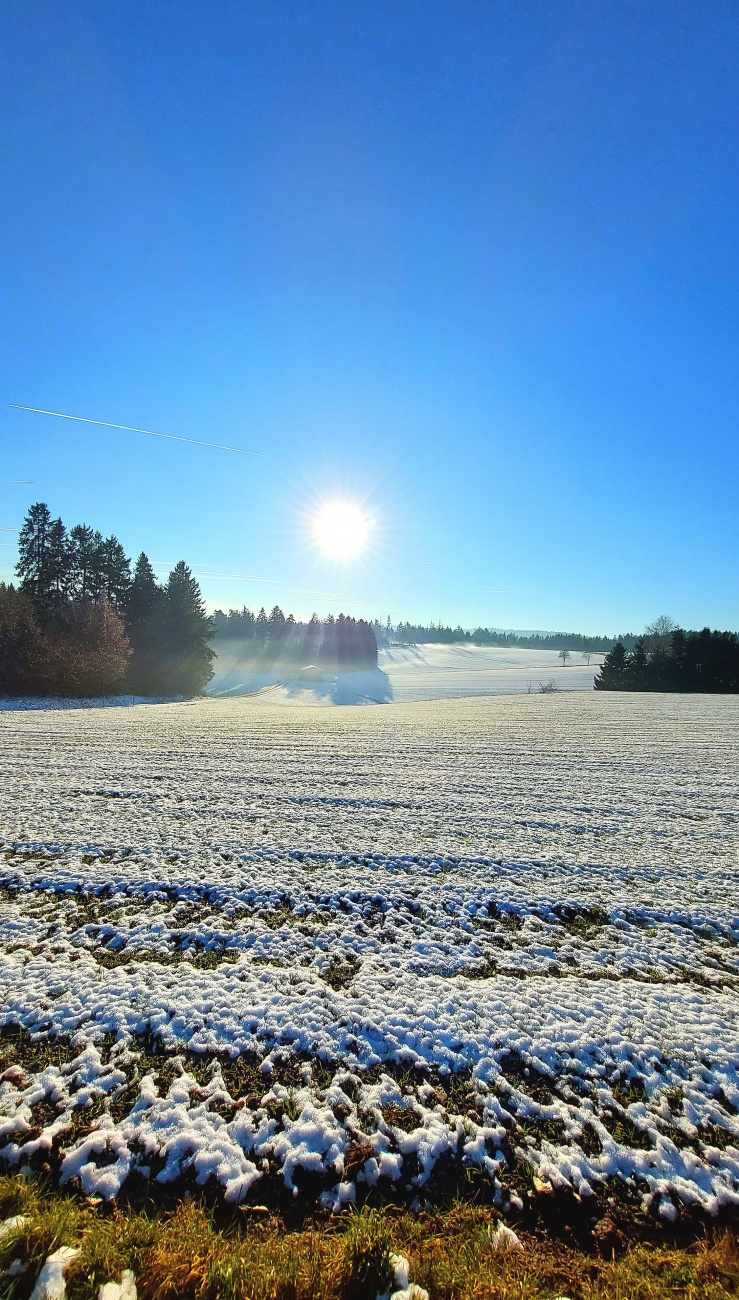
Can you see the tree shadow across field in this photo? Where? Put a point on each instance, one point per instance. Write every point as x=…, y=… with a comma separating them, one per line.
x=401, y=653
x=369, y=686
x=237, y=674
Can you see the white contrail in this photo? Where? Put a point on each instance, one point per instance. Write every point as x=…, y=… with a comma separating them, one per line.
x=132, y=429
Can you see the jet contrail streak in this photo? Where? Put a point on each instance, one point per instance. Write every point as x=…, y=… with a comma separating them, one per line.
x=173, y=437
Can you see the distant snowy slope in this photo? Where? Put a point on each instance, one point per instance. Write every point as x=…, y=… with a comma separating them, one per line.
x=427, y=672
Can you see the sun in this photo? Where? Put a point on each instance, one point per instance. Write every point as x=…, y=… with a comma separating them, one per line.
x=340, y=529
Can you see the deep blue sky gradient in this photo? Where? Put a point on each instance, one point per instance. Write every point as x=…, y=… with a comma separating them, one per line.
x=474, y=263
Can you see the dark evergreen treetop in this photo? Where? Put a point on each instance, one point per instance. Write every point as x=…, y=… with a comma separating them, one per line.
x=187, y=632
x=55, y=566
x=115, y=569
x=85, y=579
x=612, y=670
x=144, y=597
x=35, y=564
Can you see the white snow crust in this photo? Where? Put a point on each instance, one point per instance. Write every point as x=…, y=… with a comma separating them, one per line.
x=123, y=1290
x=50, y=1284
x=493, y=934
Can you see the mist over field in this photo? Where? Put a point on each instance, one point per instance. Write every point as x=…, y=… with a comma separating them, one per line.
x=405, y=673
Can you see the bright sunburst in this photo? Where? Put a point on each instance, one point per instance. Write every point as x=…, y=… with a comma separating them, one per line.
x=340, y=529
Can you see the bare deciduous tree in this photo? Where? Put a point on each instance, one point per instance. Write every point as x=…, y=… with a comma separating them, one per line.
x=662, y=627
x=658, y=635
x=587, y=656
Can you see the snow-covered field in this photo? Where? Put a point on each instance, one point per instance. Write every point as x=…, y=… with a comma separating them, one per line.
x=487, y=943
x=407, y=673
x=429, y=672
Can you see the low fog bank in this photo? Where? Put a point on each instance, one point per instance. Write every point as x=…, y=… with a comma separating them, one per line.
x=237, y=671
x=405, y=673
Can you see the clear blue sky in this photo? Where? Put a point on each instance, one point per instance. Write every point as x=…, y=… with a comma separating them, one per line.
x=473, y=263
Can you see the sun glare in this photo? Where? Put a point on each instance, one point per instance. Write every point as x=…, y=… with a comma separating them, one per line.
x=340, y=529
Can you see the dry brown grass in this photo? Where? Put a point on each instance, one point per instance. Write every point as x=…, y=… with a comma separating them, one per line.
x=188, y=1255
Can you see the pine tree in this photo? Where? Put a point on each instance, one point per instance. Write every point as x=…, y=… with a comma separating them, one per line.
x=343, y=642
x=187, y=630
x=276, y=624
x=58, y=564
x=638, y=668
x=34, y=567
x=261, y=632
x=115, y=568
x=327, y=652
x=613, y=675
x=308, y=639
x=85, y=574
x=367, y=648
x=276, y=634
x=143, y=611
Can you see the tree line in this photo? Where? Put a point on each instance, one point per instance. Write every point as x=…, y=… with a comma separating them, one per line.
x=674, y=660
x=80, y=622
x=438, y=633
x=338, y=644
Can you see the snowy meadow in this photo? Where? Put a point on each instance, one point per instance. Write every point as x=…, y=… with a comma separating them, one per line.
x=485, y=946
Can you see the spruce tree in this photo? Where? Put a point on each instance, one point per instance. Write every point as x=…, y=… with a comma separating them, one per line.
x=638, y=668
x=58, y=564
x=188, y=631
x=34, y=567
x=327, y=652
x=115, y=570
x=261, y=631
x=367, y=650
x=613, y=675
x=276, y=624
x=308, y=641
x=85, y=575
x=143, y=612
